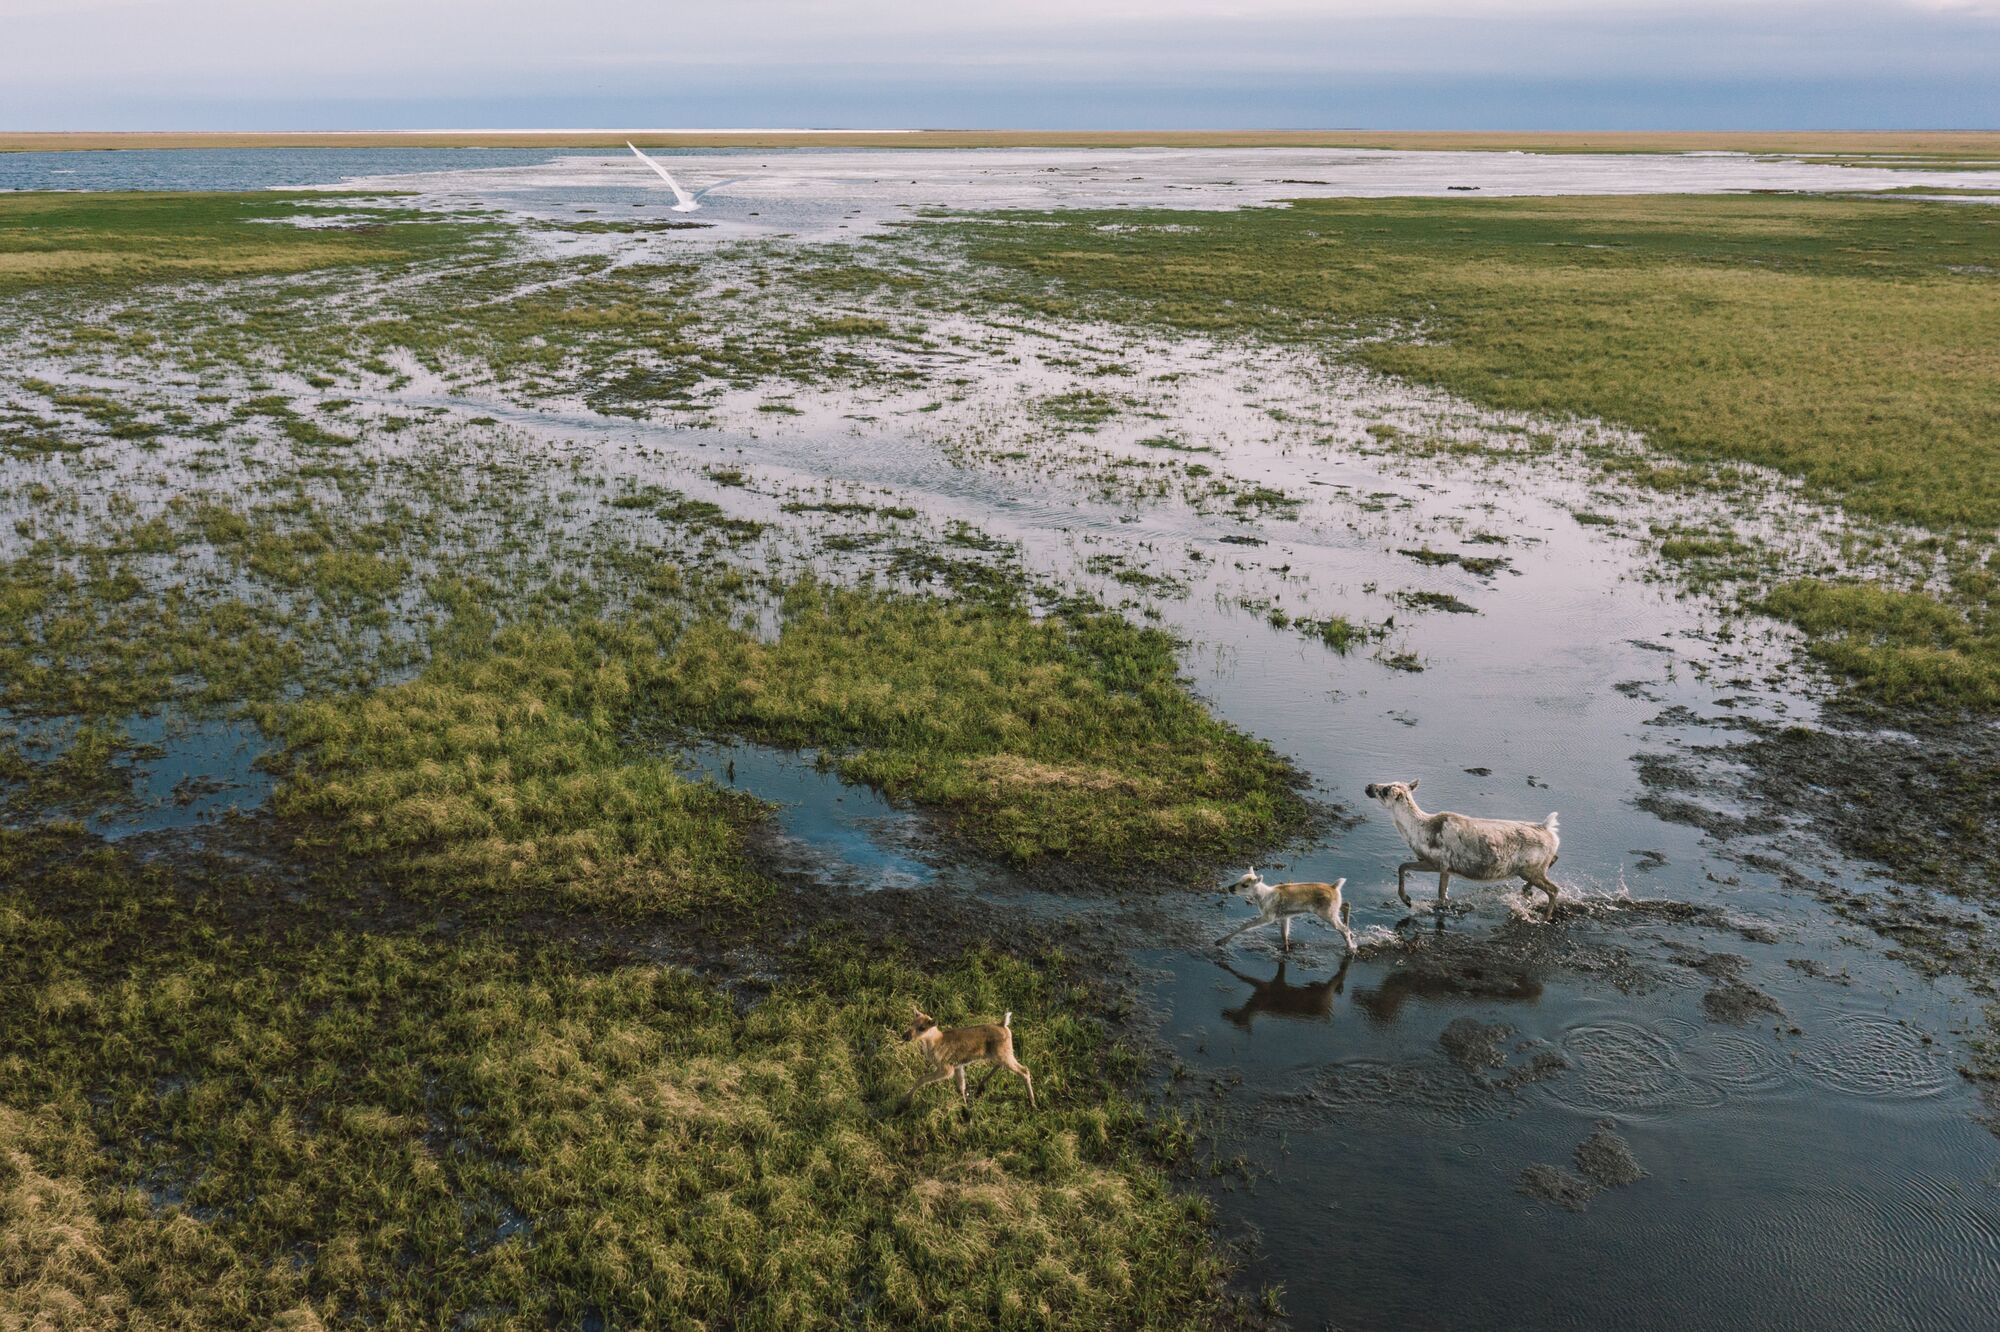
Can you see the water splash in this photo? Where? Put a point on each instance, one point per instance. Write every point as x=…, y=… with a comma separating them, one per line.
x=683, y=201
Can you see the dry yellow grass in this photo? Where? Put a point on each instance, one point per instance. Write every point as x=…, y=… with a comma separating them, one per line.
x=1929, y=143
x=276, y=259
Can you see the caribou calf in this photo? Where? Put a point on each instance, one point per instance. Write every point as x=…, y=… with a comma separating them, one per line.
x=1483, y=850
x=1277, y=903
x=950, y=1052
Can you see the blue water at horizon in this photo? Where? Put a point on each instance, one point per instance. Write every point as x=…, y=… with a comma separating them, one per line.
x=252, y=168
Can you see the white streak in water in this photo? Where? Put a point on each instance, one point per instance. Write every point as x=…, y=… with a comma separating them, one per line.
x=683, y=201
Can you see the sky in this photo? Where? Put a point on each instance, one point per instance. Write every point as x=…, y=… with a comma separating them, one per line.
x=1034, y=64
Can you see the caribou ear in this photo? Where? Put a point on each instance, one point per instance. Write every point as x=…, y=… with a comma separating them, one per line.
x=1413, y=783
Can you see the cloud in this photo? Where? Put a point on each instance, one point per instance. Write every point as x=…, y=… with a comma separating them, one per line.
x=91, y=62
x=1980, y=8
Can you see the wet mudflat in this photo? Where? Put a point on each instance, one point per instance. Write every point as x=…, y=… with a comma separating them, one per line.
x=1700, y=1095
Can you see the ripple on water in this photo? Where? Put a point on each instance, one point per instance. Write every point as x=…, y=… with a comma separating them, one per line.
x=1865, y=1055
x=1888, y=1232
x=1624, y=1067
x=1738, y=1063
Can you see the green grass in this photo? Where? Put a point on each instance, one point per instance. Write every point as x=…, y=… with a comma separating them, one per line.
x=294, y=1123
x=502, y=775
x=1069, y=737
x=1908, y=649
x=101, y=648
x=514, y=771
x=62, y=240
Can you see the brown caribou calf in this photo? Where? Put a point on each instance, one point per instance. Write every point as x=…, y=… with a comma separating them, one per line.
x=951, y=1052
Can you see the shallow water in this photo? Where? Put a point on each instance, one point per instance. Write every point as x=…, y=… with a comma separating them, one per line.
x=1767, y=1202
x=824, y=826
x=824, y=194
x=208, y=770
x=1814, y=1166
x=184, y=772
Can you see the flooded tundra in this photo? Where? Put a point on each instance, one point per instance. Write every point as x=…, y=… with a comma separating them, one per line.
x=795, y=618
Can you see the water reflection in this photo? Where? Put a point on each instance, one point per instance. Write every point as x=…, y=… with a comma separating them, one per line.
x=1446, y=980
x=1280, y=998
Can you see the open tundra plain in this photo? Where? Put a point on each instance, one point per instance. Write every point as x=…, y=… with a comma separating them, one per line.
x=510, y=694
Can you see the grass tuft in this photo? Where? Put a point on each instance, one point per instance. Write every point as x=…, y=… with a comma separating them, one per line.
x=510, y=771
x=1070, y=737
x=1904, y=649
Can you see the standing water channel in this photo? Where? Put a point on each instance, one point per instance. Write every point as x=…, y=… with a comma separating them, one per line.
x=1811, y=1157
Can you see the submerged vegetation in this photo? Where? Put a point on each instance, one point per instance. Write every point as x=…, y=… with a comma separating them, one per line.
x=1852, y=343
